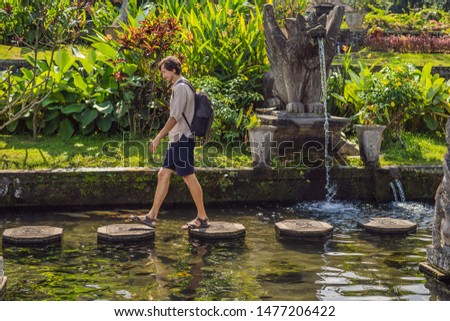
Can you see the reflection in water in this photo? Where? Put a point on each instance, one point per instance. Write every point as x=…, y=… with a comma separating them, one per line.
x=352, y=265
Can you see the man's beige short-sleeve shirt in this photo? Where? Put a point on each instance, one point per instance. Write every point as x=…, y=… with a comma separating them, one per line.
x=181, y=101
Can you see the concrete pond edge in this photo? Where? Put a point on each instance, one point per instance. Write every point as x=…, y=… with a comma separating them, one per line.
x=135, y=186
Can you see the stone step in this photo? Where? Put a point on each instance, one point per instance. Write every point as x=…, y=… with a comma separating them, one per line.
x=387, y=225
x=120, y=233
x=304, y=229
x=219, y=230
x=32, y=235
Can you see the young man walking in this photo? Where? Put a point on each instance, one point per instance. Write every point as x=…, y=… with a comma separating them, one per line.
x=179, y=157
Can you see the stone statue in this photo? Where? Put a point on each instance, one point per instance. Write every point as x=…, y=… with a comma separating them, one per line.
x=441, y=221
x=294, y=58
x=123, y=14
x=438, y=255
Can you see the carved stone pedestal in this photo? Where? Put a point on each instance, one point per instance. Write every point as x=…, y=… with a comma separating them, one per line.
x=438, y=263
x=296, y=133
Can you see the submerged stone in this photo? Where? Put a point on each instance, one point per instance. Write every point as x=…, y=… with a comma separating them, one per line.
x=219, y=230
x=387, y=225
x=32, y=235
x=125, y=233
x=438, y=263
x=304, y=229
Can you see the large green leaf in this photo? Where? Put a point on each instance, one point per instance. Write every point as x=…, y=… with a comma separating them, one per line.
x=66, y=129
x=87, y=65
x=88, y=129
x=104, y=123
x=73, y=108
x=79, y=82
x=51, y=114
x=64, y=60
x=69, y=97
x=431, y=122
x=49, y=100
x=130, y=69
x=76, y=52
x=11, y=127
x=27, y=74
x=51, y=126
x=121, y=109
x=105, y=107
x=88, y=116
x=105, y=49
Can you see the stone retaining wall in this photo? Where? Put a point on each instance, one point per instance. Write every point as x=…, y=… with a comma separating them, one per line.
x=135, y=186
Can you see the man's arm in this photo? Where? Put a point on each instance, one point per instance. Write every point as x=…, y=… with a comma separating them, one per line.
x=170, y=123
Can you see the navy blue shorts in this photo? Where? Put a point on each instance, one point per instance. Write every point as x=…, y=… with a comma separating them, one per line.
x=180, y=156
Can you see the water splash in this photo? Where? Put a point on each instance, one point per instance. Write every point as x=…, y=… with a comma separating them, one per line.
x=330, y=192
x=401, y=192
x=397, y=191
x=394, y=191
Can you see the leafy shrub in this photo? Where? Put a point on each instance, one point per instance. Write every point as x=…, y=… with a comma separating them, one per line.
x=426, y=20
x=222, y=39
x=111, y=86
x=423, y=43
x=399, y=96
x=25, y=23
x=229, y=98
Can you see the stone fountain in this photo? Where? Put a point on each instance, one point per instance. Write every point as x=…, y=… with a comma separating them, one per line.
x=292, y=88
x=438, y=254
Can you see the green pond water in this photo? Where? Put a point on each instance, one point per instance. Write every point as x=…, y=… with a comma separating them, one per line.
x=352, y=265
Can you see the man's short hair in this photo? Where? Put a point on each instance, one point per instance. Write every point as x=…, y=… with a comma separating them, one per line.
x=171, y=63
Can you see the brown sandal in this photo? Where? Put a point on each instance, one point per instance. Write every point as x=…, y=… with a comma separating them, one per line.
x=150, y=222
x=196, y=224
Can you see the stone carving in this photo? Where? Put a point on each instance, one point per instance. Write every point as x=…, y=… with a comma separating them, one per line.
x=441, y=222
x=294, y=78
x=438, y=255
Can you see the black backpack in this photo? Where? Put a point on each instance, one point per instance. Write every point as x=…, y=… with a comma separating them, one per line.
x=203, y=113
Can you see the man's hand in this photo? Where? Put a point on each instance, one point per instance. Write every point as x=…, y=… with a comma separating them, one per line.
x=154, y=144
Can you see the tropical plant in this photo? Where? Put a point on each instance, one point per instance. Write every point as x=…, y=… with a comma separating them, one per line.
x=289, y=9
x=230, y=99
x=26, y=23
x=222, y=39
x=155, y=38
x=113, y=83
x=359, y=5
x=436, y=99
x=426, y=20
x=396, y=96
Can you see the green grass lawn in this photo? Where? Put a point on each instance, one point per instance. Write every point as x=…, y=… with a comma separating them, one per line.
x=21, y=152
x=382, y=58
x=418, y=149
x=369, y=57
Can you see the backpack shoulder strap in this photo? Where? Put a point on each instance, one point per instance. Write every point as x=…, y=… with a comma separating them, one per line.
x=187, y=82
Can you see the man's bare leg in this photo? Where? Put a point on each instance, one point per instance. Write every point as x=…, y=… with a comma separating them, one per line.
x=197, y=194
x=162, y=188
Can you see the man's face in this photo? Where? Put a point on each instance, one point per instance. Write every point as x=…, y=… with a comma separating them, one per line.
x=168, y=75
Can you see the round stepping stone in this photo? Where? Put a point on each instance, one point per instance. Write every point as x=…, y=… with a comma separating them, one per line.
x=125, y=233
x=32, y=235
x=304, y=229
x=219, y=230
x=386, y=225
